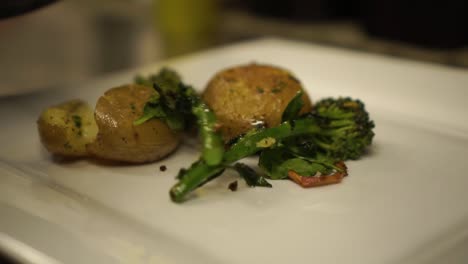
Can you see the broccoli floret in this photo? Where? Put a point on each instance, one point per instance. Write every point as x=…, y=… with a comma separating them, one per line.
x=346, y=129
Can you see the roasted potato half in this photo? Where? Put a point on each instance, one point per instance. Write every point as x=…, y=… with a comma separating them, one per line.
x=248, y=95
x=65, y=129
x=119, y=139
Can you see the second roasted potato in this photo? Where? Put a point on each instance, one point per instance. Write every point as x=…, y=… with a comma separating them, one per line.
x=119, y=139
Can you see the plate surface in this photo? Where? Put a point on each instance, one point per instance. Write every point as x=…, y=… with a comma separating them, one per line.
x=404, y=202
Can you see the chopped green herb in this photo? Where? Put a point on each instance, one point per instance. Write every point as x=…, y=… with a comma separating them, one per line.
x=78, y=124
x=77, y=120
x=279, y=87
x=282, y=84
x=276, y=90
x=260, y=90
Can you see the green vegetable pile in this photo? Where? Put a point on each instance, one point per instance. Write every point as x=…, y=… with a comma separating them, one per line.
x=309, y=149
x=180, y=107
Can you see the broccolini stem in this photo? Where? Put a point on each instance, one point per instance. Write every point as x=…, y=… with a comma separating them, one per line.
x=213, y=146
x=264, y=138
x=200, y=172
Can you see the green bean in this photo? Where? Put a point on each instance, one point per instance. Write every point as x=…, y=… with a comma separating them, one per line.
x=213, y=147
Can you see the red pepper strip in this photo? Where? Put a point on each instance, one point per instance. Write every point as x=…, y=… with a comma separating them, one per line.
x=313, y=181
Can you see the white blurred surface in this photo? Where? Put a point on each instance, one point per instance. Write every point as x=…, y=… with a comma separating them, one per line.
x=71, y=41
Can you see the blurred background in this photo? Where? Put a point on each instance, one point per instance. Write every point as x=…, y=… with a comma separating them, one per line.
x=46, y=43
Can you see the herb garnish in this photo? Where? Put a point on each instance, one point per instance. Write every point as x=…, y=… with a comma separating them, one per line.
x=77, y=121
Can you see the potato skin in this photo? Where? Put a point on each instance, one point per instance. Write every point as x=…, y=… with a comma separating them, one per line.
x=250, y=94
x=118, y=139
x=65, y=129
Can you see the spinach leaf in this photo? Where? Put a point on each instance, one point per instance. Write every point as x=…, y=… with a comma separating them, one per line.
x=293, y=108
x=277, y=162
x=251, y=177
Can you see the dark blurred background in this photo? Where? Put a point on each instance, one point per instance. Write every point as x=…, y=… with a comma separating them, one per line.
x=45, y=43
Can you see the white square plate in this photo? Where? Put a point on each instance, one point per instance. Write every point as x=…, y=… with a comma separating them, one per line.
x=404, y=202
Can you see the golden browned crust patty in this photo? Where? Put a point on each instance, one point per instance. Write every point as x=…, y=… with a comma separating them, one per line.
x=247, y=95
